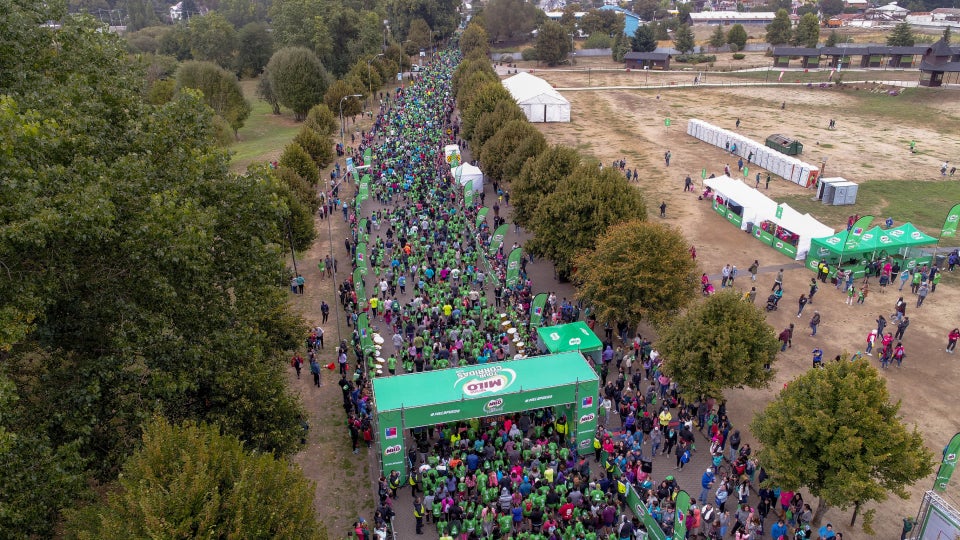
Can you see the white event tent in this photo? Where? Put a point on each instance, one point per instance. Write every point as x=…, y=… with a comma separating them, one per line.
x=539, y=101
x=467, y=174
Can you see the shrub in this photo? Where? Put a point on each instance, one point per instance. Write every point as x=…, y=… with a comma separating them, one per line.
x=529, y=53
x=597, y=41
x=506, y=59
x=695, y=58
x=739, y=56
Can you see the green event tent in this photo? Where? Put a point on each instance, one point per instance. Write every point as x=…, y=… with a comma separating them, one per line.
x=575, y=336
x=894, y=242
x=450, y=395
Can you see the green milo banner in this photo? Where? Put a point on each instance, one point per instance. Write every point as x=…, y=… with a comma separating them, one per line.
x=854, y=234
x=513, y=267
x=680, y=521
x=362, y=262
x=537, y=309
x=639, y=509
x=948, y=465
x=468, y=196
x=450, y=395
x=482, y=215
x=949, y=229
x=359, y=288
x=367, y=157
x=498, y=236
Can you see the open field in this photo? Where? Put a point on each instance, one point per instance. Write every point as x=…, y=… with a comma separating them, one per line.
x=869, y=146
x=264, y=135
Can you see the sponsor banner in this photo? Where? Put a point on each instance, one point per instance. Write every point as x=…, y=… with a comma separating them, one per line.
x=498, y=236
x=513, y=267
x=682, y=504
x=482, y=216
x=948, y=465
x=359, y=288
x=392, y=453
x=639, y=509
x=467, y=195
x=485, y=396
x=537, y=309
x=587, y=393
x=949, y=229
x=856, y=232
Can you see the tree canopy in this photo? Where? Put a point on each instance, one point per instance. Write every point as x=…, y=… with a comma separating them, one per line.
x=553, y=44
x=539, y=178
x=780, y=30
x=808, y=31
x=298, y=79
x=737, y=36
x=846, y=442
x=586, y=202
x=902, y=36
x=220, y=89
x=192, y=481
x=644, y=39
x=683, y=40
x=474, y=41
x=721, y=343
x=718, y=38
x=638, y=270
x=510, y=19
x=504, y=153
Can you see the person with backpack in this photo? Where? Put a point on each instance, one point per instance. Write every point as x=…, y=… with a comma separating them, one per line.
x=734, y=444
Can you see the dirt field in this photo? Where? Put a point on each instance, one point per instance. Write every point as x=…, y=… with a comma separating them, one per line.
x=870, y=143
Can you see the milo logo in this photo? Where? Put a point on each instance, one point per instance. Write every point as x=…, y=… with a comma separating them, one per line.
x=477, y=382
x=833, y=240
x=493, y=405
x=390, y=450
x=780, y=245
x=587, y=418
x=585, y=443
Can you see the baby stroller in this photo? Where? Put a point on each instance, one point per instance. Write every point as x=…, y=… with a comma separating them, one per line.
x=772, y=302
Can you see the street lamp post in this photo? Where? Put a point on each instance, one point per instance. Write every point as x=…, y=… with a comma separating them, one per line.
x=341, y=115
x=369, y=80
x=333, y=266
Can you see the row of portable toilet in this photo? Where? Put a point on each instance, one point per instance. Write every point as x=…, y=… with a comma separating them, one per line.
x=782, y=165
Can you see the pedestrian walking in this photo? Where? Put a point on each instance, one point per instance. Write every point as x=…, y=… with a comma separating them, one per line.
x=899, y=354
x=778, y=282
x=297, y=363
x=754, y=268
x=952, y=340
x=901, y=328
x=666, y=157
x=922, y=293
x=814, y=323
x=786, y=338
x=871, y=340
x=904, y=276
x=802, y=302
x=324, y=311
x=418, y=512
x=724, y=276
x=315, y=371
x=768, y=180
x=663, y=209
x=813, y=289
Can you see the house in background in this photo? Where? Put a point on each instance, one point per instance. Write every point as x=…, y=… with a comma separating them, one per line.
x=630, y=19
x=647, y=60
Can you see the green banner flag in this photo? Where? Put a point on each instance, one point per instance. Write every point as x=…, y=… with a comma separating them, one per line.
x=666, y=122
x=482, y=216
x=855, y=232
x=680, y=523
x=638, y=508
x=367, y=157
x=703, y=174
x=468, y=196
x=498, y=236
x=746, y=171
x=359, y=288
x=536, y=310
x=362, y=262
x=779, y=212
x=949, y=229
x=513, y=266
x=948, y=464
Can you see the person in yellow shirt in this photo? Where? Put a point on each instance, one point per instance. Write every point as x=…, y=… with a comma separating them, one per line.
x=374, y=302
x=665, y=418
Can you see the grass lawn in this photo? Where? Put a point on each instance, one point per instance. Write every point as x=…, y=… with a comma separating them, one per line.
x=264, y=135
x=925, y=204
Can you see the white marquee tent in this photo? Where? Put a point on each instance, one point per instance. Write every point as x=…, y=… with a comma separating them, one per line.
x=540, y=101
x=467, y=174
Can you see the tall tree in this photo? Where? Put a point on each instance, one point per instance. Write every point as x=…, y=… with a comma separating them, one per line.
x=829, y=8
x=322, y=120
x=254, y=48
x=586, y=202
x=722, y=343
x=832, y=39
x=474, y=41
x=341, y=88
x=683, y=40
x=539, y=178
x=298, y=79
x=847, y=443
x=737, y=36
x=192, y=481
x=243, y=12
x=297, y=23
x=808, y=31
x=780, y=30
x=625, y=278
x=510, y=19
x=419, y=34
x=718, y=38
x=902, y=36
x=484, y=100
x=553, y=44
x=213, y=39
x=644, y=39
x=220, y=89
x=490, y=123
x=505, y=152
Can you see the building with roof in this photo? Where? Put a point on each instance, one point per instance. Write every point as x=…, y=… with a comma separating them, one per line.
x=630, y=19
x=939, y=60
x=539, y=101
x=732, y=17
x=647, y=60
x=809, y=58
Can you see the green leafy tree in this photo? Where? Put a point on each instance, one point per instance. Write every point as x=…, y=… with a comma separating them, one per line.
x=808, y=31
x=146, y=40
x=140, y=14
x=192, y=481
x=718, y=38
x=621, y=46
x=484, y=100
x=625, y=278
x=176, y=42
x=644, y=39
x=213, y=39
x=683, y=40
x=553, y=44
x=266, y=93
x=367, y=76
x=846, y=443
x=902, y=36
x=474, y=41
x=780, y=30
x=648, y=10
x=601, y=21
x=946, y=35
x=299, y=160
x=322, y=120
x=442, y=16
x=539, y=178
x=298, y=79
x=341, y=89
x=491, y=122
x=220, y=89
x=419, y=34
x=829, y=8
x=254, y=49
x=586, y=202
x=299, y=23
x=737, y=36
x=510, y=19
x=504, y=154
x=243, y=12
x=319, y=147
x=722, y=343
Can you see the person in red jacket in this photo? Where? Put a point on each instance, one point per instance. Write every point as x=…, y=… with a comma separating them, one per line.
x=952, y=340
